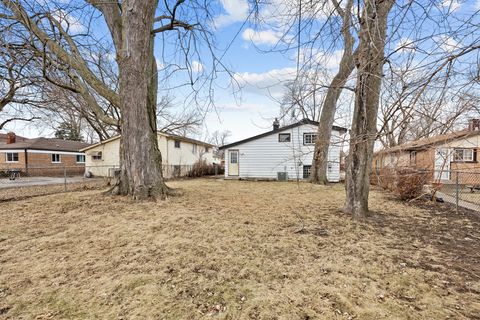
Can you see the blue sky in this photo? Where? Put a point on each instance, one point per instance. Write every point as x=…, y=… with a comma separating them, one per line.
x=261, y=72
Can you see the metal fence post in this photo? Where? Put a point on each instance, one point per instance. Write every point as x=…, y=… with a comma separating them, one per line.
x=65, y=177
x=456, y=192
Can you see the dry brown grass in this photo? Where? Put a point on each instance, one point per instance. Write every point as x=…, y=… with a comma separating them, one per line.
x=235, y=250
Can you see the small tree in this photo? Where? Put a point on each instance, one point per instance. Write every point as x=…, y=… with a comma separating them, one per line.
x=68, y=131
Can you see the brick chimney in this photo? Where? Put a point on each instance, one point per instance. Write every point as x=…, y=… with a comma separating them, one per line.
x=276, y=125
x=11, y=137
x=473, y=124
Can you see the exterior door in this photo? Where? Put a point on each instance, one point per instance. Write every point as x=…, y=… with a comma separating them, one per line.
x=442, y=164
x=233, y=162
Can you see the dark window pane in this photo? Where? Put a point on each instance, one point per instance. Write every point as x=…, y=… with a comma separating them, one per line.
x=284, y=137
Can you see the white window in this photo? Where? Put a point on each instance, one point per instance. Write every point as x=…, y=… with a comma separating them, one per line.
x=234, y=157
x=194, y=148
x=12, y=157
x=463, y=155
x=56, y=158
x=177, y=143
x=309, y=138
x=80, y=158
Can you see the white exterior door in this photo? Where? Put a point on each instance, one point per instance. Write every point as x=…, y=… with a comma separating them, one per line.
x=443, y=157
x=233, y=157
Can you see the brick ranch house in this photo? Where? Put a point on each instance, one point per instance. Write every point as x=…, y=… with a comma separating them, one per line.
x=41, y=156
x=442, y=155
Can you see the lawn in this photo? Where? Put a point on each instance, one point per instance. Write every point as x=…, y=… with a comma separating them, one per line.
x=236, y=250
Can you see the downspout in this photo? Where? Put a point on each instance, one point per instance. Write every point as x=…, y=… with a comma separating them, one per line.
x=26, y=161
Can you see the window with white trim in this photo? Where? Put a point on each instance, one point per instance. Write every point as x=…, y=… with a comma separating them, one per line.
x=80, y=158
x=56, y=158
x=12, y=157
x=309, y=138
x=463, y=155
x=177, y=143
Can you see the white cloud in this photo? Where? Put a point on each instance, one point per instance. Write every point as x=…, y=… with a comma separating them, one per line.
x=70, y=23
x=477, y=5
x=269, y=83
x=261, y=37
x=405, y=45
x=236, y=11
x=451, y=5
x=447, y=44
x=232, y=107
x=281, y=11
x=197, y=66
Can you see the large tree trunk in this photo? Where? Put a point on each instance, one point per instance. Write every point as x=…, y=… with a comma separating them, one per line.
x=324, y=132
x=140, y=158
x=320, y=156
x=373, y=28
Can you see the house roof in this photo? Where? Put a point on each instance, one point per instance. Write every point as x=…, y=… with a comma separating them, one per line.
x=168, y=135
x=3, y=138
x=427, y=142
x=46, y=144
x=294, y=125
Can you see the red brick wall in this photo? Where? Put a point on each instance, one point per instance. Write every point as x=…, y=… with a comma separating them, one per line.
x=40, y=164
x=15, y=165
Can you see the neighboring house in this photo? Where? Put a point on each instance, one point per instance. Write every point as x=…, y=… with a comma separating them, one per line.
x=440, y=155
x=283, y=153
x=41, y=156
x=179, y=154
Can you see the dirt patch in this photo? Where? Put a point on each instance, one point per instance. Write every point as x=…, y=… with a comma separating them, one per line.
x=235, y=250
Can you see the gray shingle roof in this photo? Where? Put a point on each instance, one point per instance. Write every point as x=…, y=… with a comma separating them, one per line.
x=46, y=144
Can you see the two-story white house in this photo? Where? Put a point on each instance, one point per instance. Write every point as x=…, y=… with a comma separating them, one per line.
x=283, y=153
x=179, y=154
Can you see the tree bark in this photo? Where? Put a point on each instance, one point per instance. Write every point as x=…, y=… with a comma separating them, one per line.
x=141, y=162
x=318, y=173
x=370, y=59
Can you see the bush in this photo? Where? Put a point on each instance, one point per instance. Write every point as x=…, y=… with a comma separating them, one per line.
x=405, y=183
x=410, y=183
x=202, y=168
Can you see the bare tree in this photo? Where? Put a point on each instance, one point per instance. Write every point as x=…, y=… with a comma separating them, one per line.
x=327, y=117
x=218, y=139
x=133, y=26
x=369, y=62
x=16, y=80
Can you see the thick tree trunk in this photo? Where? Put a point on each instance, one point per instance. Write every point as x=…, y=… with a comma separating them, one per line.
x=140, y=158
x=373, y=28
x=324, y=132
x=320, y=156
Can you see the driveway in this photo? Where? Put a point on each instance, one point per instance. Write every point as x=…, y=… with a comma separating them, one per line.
x=37, y=181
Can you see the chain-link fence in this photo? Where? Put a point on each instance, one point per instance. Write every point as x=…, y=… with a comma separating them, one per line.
x=16, y=183
x=460, y=188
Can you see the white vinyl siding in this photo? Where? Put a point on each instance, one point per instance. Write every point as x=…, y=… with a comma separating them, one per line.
x=264, y=157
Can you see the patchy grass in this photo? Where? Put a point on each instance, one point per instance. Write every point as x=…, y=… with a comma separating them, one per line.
x=235, y=250
x=25, y=192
